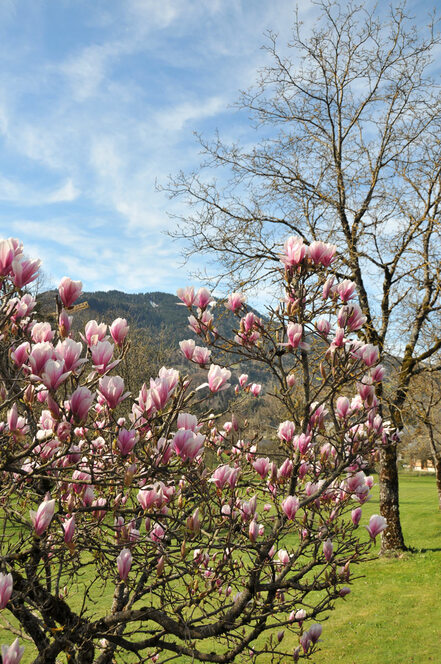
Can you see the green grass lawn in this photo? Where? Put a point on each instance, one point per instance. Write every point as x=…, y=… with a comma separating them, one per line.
x=393, y=614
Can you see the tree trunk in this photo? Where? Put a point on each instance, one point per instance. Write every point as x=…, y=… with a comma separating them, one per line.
x=438, y=479
x=392, y=538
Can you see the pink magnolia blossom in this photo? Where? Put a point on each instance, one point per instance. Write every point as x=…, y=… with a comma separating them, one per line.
x=186, y=295
x=243, y=379
x=356, y=516
x=346, y=290
x=187, y=444
x=255, y=389
x=195, y=326
x=80, y=403
x=355, y=318
x=6, y=586
x=253, y=530
x=376, y=525
x=17, y=424
x=294, y=333
x=353, y=482
x=377, y=373
x=69, y=529
x=24, y=271
x=12, y=654
x=124, y=563
x=286, y=431
x=201, y=355
x=323, y=326
x=235, y=301
x=43, y=516
x=249, y=330
x=290, y=506
x=119, y=330
x=70, y=351
x=88, y=496
x=25, y=306
x=102, y=355
x=39, y=355
x=153, y=497
x=194, y=522
x=187, y=347
x=369, y=354
x=302, y=442
x=160, y=392
x=42, y=332
x=188, y=421
x=98, y=513
x=285, y=469
x=126, y=441
x=294, y=252
x=283, y=557
x=224, y=475
x=248, y=508
x=342, y=409
x=19, y=308
x=318, y=414
x=158, y=533
x=247, y=338
x=338, y=340
x=249, y=322
x=217, y=378
x=203, y=298
x=46, y=421
x=94, y=332
x=322, y=253
x=315, y=632
x=376, y=424
x=54, y=374
x=328, y=287
x=300, y=616
x=112, y=389
x=20, y=355
x=171, y=376
x=261, y=466
x=328, y=549
x=305, y=642
x=365, y=389
x=69, y=291
x=342, y=316
x=160, y=566
x=7, y=255
x=291, y=380
x=164, y=450
x=64, y=324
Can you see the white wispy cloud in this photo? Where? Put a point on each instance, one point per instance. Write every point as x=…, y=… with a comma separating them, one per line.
x=20, y=193
x=100, y=100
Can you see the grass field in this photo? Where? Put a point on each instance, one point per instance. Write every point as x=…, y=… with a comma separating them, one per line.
x=393, y=614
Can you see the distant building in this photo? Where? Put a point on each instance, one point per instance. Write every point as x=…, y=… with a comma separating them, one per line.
x=424, y=465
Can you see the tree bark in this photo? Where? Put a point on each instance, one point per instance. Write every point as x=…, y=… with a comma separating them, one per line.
x=438, y=479
x=392, y=538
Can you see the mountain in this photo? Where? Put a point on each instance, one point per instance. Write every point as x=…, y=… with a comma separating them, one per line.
x=156, y=313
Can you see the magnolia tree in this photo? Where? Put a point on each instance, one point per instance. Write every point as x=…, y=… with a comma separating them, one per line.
x=144, y=527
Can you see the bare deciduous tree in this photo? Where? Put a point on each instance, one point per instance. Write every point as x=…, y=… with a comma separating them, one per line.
x=348, y=122
x=424, y=404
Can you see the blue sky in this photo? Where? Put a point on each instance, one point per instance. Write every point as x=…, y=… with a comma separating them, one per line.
x=98, y=100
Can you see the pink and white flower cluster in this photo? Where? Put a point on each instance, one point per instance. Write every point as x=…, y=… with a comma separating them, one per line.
x=172, y=498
